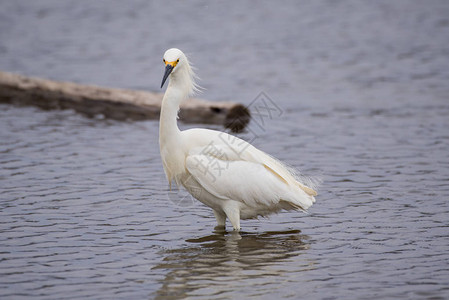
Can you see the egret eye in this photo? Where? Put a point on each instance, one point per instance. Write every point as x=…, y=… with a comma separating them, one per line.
x=177, y=60
x=163, y=59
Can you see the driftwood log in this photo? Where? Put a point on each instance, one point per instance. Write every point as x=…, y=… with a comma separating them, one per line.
x=119, y=104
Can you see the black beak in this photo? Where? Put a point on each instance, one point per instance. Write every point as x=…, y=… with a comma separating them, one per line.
x=168, y=70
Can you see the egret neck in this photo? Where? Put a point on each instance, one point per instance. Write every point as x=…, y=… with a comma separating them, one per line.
x=168, y=127
x=170, y=139
x=180, y=86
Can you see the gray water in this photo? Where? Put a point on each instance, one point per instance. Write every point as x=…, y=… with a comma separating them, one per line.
x=360, y=97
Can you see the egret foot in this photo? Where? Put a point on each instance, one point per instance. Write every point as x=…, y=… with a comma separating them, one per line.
x=219, y=229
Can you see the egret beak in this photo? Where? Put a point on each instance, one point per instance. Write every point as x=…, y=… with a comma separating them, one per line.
x=168, y=69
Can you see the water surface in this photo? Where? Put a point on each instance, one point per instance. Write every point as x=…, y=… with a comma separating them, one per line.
x=360, y=92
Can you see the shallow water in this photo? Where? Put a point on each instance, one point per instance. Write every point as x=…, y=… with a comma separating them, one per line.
x=85, y=210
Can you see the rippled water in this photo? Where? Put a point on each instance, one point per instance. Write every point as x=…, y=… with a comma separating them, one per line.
x=85, y=210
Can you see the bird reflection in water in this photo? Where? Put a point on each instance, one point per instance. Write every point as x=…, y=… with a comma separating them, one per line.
x=212, y=264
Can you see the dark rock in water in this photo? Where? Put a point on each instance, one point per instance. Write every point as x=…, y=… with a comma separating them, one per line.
x=237, y=118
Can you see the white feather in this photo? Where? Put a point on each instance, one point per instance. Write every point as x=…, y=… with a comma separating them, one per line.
x=224, y=172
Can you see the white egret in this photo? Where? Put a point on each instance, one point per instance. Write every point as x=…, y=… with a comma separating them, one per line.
x=224, y=172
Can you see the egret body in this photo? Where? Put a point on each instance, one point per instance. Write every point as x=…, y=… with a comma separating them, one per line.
x=226, y=173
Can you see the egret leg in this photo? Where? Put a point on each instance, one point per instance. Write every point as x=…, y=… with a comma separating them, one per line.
x=232, y=211
x=221, y=219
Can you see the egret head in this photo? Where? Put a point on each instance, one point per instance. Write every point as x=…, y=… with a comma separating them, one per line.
x=173, y=60
x=177, y=64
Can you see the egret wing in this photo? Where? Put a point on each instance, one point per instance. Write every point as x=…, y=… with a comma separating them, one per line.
x=238, y=180
x=227, y=147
